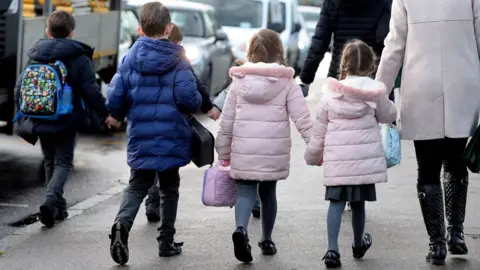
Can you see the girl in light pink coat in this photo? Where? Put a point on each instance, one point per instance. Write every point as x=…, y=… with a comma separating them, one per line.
x=346, y=141
x=254, y=136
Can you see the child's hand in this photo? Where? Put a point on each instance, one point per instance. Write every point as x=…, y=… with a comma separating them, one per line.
x=214, y=113
x=112, y=122
x=225, y=163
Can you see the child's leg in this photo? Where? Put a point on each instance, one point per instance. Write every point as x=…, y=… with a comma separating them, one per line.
x=140, y=182
x=246, y=196
x=358, y=222
x=169, y=195
x=268, y=197
x=334, y=221
x=62, y=151
x=152, y=204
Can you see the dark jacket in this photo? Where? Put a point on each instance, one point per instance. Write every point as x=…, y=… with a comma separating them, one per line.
x=77, y=57
x=346, y=19
x=156, y=90
x=207, y=104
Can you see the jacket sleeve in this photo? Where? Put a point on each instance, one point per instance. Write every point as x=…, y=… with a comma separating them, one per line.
x=187, y=96
x=298, y=110
x=319, y=46
x=219, y=101
x=223, y=143
x=116, y=97
x=386, y=111
x=85, y=79
x=314, y=152
x=394, y=51
x=206, y=102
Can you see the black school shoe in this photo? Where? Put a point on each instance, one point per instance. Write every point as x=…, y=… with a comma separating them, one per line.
x=119, y=243
x=359, y=252
x=61, y=215
x=47, y=215
x=241, y=246
x=267, y=247
x=169, y=248
x=332, y=259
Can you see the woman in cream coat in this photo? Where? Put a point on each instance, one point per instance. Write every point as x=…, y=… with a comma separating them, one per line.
x=438, y=44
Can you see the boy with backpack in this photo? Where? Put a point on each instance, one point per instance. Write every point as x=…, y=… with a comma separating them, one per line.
x=49, y=97
x=156, y=90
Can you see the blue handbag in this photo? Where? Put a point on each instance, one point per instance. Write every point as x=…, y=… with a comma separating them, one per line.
x=391, y=144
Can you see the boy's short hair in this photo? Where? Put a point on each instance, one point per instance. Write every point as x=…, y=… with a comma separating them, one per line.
x=154, y=19
x=176, y=35
x=60, y=24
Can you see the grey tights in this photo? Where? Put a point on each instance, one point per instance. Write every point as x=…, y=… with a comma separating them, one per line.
x=334, y=220
x=246, y=197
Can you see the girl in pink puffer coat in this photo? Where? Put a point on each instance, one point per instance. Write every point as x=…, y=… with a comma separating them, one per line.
x=346, y=140
x=254, y=136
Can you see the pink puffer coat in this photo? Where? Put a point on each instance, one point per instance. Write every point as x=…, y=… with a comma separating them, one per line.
x=255, y=126
x=346, y=133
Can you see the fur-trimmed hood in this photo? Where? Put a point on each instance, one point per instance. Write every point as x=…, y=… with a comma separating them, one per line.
x=259, y=83
x=361, y=94
x=363, y=88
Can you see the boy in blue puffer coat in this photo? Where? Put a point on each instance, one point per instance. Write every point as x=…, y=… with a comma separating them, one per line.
x=155, y=90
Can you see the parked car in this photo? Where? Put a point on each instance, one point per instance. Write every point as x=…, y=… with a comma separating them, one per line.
x=207, y=46
x=242, y=18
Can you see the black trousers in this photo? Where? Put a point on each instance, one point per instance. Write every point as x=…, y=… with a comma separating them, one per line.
x=432, y=154
x=138, y=186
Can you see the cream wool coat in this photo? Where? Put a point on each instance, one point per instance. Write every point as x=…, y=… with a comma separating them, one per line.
x=438, y=44
x=255, y=126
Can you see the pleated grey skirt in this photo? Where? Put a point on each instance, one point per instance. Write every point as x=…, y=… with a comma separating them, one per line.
x=351, y=193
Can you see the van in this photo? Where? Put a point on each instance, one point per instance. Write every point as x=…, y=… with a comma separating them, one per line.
x=241, y=19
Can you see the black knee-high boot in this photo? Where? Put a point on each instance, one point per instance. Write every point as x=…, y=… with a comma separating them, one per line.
x=456, y=187
x=431, y=204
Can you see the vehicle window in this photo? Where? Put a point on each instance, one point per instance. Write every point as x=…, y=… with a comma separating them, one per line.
x=190, y=22
x=209, y=29
x=310, y=16
x=277, y=16
x=130, y=22
x=244, y=13
x=212, y=17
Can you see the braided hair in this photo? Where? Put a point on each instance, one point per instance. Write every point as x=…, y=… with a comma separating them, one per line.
x=358, y=59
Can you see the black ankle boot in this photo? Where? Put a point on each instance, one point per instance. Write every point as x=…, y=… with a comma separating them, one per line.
x=431, y=204
x=169, y=248
x=455, y=204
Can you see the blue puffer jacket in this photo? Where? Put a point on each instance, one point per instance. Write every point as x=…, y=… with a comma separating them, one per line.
x=155, y=89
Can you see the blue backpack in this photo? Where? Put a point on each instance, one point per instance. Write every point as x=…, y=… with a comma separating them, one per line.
x=44, y=94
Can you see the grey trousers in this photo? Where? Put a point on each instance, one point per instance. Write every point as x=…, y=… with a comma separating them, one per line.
x=140, y=182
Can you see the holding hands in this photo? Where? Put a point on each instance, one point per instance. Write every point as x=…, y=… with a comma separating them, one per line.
x=112, y=122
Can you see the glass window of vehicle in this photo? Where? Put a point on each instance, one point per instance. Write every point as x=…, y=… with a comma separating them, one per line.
x=277, y=16
x=238, y=13
x=213, y=18
x=130, y=22
x=311, y=16
x=209, y=28
x=190, y=22
x=244, y=13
